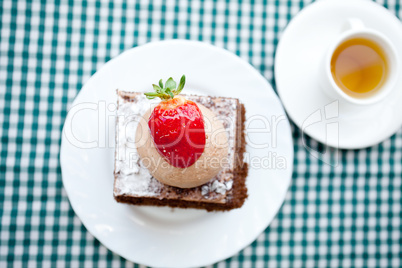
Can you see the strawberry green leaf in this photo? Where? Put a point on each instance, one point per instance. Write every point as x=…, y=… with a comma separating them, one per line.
x=181, y=84
x=156, y=88
x=151, y=94
x=169, y=92
x=170, y=83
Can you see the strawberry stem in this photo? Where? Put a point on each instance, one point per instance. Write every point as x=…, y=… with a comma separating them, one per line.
x=168, y=91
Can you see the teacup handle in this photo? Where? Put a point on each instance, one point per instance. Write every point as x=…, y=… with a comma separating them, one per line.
x=352, y=24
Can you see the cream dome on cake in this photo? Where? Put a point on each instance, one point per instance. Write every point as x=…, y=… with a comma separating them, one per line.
x=180, y=142
x=212, y=160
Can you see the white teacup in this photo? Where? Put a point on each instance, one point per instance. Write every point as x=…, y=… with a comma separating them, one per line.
x=354, y=28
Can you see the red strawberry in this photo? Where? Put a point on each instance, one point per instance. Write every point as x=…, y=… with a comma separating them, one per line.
x=176, y=125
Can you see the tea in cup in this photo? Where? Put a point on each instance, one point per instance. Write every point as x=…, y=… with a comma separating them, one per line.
x=360, y=66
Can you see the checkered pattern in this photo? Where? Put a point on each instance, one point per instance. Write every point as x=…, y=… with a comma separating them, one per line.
x=345, y=216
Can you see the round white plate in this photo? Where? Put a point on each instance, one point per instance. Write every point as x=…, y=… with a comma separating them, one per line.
x=300, y=52
x=161, y=236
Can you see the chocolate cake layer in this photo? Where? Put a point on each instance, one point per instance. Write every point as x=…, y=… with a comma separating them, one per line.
x=135, y=185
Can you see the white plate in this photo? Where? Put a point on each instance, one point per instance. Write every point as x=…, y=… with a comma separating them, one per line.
x=161, y=236
x=298, y=58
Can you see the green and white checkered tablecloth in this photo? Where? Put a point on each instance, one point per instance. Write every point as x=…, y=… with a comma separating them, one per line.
x=344, y=216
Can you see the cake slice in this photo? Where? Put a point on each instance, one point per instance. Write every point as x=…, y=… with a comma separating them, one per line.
x=135, y=185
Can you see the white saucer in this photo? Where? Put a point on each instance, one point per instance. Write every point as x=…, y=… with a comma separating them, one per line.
x=161, y=236
x=298, y=57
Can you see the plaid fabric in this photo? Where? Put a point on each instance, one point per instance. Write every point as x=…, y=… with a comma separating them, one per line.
x=344, y=216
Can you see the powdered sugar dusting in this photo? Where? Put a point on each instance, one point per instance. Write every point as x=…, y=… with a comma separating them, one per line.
x=131, y=177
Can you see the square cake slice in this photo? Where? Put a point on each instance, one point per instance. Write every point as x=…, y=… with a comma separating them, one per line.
x=135, y=185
